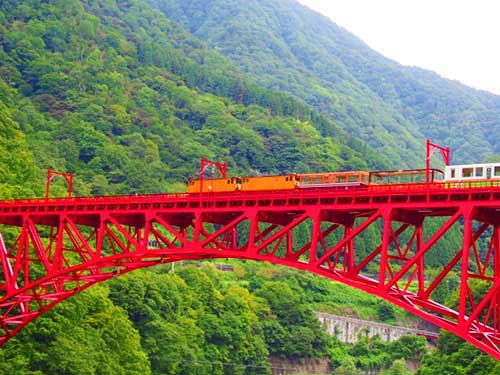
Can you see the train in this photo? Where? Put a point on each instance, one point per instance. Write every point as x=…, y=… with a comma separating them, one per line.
x=453, y=176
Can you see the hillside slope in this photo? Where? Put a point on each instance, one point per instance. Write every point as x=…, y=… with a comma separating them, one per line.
x=129, y=101
x=286, y=46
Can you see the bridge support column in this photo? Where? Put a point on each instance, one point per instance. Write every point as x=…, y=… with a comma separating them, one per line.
x=464, y=276
x=6, y=266
x=143, y=235
x=198, y=225
x=349, y=247
x=316, y=229
x=254, y=225
x=421, y=265
x=384, y=257
x=496, y=268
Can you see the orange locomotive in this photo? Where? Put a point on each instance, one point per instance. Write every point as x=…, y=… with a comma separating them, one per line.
x=216, y=185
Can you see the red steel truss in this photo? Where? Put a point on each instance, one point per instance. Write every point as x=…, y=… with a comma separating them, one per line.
x=51, y=250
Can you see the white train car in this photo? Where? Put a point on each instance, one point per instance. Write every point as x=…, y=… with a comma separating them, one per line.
x=472, y=172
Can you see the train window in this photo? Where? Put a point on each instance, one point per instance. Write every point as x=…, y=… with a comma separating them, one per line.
x=317, y=180
x=479, y=172
x=340, y=179
x=286, y=178
x=467, y=172
x=452, y=173
x=353, y=178
x=497, y=171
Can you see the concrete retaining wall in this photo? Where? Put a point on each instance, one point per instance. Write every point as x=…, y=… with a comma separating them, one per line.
x=348, y=329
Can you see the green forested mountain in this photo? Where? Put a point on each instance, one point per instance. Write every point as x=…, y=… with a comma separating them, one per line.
x=285, y=46
x=17, y=169
x=129, y=101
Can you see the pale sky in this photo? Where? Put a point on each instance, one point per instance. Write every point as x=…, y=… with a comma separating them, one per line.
x=458, y=39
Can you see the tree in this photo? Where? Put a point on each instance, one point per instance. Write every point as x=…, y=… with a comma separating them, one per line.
x=347, y=367
x=85, y=335
x=398, y=367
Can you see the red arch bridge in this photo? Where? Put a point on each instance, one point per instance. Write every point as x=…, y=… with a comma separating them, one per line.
x=380, y=241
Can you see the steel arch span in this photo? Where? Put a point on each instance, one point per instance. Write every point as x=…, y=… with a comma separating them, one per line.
x=53, y=249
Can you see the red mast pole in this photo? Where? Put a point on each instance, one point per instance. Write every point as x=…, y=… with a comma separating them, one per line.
x=205, y=163
x=430, y=148
x=68, y=177
x=47, y=184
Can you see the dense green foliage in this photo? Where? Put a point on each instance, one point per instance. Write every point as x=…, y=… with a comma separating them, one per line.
x=130, y=101
x=86, y=335
x=196, y=321
x=285, y=46
x=16, y=161
x=455, y=357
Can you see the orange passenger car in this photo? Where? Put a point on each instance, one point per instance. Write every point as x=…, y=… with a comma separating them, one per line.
x=333, y=179
x=405, y=176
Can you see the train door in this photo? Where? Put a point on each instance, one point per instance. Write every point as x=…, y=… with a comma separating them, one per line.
x=488, y=172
